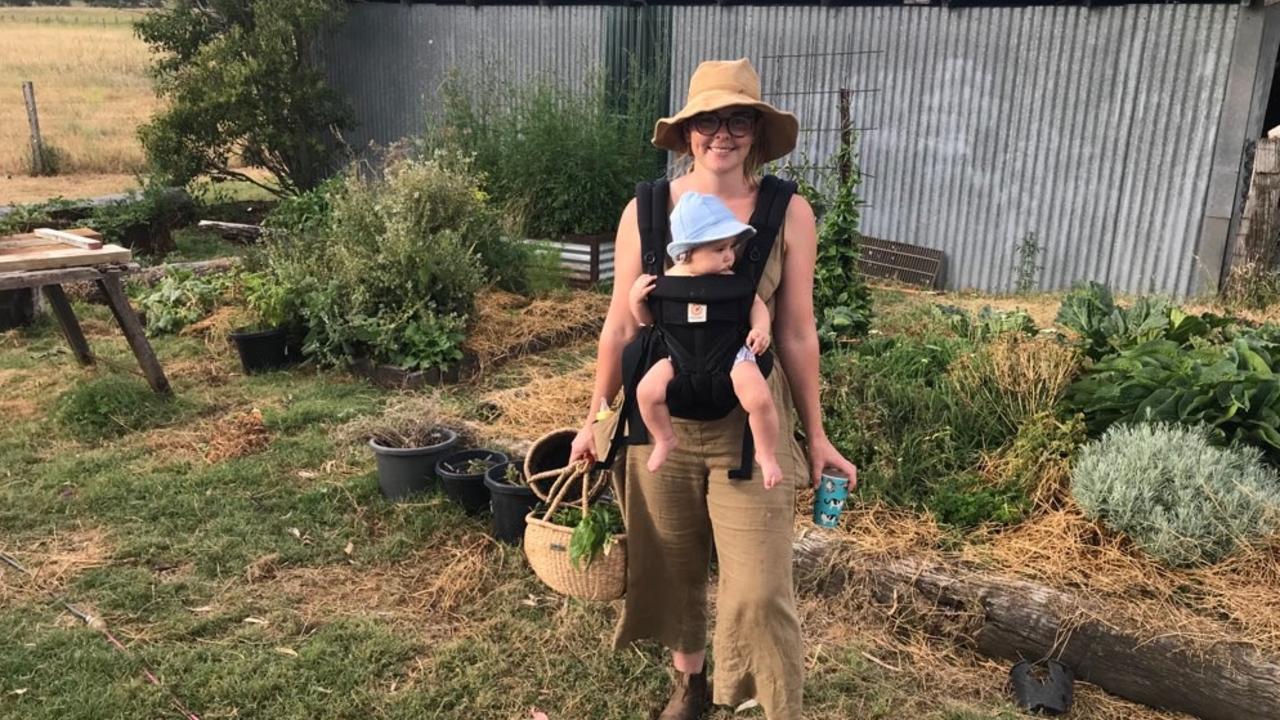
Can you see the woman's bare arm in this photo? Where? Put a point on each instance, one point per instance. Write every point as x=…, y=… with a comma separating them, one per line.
x=619, y=326
x=796, y=335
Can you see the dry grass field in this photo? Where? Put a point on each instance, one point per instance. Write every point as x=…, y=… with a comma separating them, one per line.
x=92, y=89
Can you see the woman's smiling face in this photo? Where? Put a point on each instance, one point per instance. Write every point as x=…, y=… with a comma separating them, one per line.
x=721, y=140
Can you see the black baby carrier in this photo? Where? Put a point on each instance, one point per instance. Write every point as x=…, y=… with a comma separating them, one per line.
x=700, y=322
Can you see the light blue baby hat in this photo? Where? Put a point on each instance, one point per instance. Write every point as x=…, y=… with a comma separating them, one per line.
x=699, y=219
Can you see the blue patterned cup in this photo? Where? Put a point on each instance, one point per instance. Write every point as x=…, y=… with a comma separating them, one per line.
x=828, y=501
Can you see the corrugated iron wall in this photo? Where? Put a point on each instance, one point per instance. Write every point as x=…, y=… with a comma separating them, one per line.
x=389, y=60
x=1092, y=128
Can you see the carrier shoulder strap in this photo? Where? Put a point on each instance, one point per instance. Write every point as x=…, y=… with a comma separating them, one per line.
x=652, y=198
x=768, y=218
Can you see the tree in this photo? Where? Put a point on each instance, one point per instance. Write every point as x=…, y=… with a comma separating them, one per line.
x=239, y=81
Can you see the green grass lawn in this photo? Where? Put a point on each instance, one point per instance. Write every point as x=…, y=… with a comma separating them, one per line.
x=281, y=585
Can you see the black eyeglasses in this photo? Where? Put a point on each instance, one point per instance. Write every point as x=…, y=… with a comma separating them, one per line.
x=740, y=124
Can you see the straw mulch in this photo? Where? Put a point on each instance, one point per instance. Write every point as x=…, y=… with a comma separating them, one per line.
x=506, y=325
x=1233, y=601
x=547, y=401
x=50, y=563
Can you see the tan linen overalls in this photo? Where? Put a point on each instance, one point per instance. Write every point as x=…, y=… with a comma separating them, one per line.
x=672, y=517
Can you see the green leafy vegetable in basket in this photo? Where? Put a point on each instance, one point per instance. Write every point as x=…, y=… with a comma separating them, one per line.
x=592, y=534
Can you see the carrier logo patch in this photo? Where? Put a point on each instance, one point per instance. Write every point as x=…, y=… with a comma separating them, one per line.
x=697, y=313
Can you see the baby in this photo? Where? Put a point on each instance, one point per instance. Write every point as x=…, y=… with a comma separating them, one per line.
x=704, y=238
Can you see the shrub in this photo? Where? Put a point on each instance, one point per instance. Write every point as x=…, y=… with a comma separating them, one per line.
x=237, y=81
x=50, y=213
x=52, y=159
x=113, y=405
x=1174, y=495
x=394, y=276
x=558, y=161
x=144, y=221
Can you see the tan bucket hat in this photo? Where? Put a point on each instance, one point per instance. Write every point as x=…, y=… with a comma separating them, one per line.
x=721, y=83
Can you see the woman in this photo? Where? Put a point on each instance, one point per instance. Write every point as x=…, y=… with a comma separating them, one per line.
x=674, y=514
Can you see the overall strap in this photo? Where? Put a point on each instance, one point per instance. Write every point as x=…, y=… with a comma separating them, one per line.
x=770, y=214
x=652, y=198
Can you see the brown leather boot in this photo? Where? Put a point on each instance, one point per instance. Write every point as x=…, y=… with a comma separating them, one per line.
x=689, y=697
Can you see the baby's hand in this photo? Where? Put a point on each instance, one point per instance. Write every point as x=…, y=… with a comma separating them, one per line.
x=641, y=288
x=757, y=341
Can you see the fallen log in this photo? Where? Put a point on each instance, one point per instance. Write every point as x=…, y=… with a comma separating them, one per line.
x=1015, y=619
x=89, y=292
x=235, y=232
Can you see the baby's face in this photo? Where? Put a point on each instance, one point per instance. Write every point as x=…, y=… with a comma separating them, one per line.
x=713, y=258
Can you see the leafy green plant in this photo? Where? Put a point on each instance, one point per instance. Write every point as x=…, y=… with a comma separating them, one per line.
x=514, y=476
x=592, y=533
x=557, y=160
x=478, y=466
x=113, y=405
x=267, y=298
x=1232, y=388
x=840, y=294
x=1105, y=327
x=987, y=324
x=1175, y=496
x=181, y=298
x=306, y=212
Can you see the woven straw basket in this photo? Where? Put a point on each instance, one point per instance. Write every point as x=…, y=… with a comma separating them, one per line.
x=547, y=544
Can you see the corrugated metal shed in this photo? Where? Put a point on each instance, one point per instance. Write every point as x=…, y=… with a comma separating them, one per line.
x=1103, y=131
x=389, y=60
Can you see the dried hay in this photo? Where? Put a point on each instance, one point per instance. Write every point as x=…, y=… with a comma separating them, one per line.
x=217, y=326
x=51, y=563
x=543, y=404
x=506, y=325
x=204, y=371
x=1233, y=601
x=435, y=583
x=409, y=420
x=237, y=435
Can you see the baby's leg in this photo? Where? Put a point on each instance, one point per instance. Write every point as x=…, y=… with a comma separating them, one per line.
x=753, y=392
x=651, y=394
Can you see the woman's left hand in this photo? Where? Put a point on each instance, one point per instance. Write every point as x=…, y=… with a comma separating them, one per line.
x=822, y=454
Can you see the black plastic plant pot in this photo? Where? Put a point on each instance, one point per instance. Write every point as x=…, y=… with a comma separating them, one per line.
x=261, y=350
x=404, y=472
x=463, y=480
x=510, y=503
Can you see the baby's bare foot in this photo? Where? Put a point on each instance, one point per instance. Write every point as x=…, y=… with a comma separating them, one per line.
x=772, y=472
x=662, y=447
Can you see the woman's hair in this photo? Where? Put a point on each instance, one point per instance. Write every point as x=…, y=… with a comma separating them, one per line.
x=751, y=167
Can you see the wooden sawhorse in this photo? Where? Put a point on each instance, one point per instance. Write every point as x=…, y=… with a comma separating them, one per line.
x=108, y=280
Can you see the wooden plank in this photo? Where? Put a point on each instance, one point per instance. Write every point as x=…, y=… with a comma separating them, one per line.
x=39, y=278
x=16, y=259
x=111, y=286
x=70, y=325
x=83, y=232
x=67, y=238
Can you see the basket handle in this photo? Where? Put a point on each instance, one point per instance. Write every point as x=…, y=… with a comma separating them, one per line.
x=591, y=483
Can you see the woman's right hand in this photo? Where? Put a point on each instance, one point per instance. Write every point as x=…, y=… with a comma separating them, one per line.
x=584, y=444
